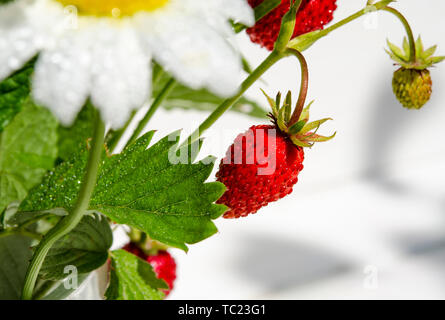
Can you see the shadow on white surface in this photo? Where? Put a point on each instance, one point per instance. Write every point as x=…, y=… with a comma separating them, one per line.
x=276, y=264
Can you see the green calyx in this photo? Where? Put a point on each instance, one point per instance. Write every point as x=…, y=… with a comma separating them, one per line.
x=423, y=58
x=287, y=26
x=302, y=132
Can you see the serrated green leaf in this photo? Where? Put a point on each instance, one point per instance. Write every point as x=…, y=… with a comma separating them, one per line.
x=28, y=148
x=132, y=278
x=71, y=137
x=13, y=92
x=15, y=253
x=182, y=97
x=21, y=218
x=86, y=248
x=142, y=188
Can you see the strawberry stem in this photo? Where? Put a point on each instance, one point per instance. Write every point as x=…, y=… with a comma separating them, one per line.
x=409, y=31
x=69, y=222
x=303, y=87
x=218, y=112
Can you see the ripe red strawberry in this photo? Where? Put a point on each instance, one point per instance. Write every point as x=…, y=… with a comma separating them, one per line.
x=263, y=163
x=312, y=15
x=165, y=267
x=162, y=262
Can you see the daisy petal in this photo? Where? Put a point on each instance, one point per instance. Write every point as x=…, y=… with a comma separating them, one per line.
x=193, y=52
x=16, y=38
x=237, y=10
x=121, y=76
x=62, y=78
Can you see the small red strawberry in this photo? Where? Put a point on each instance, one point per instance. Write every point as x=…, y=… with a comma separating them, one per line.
x=312, y=15
x=165, y=268
x=263, y=164
x=162, y=262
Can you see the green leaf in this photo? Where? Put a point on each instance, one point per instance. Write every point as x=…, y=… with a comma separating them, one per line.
x=188, y=99
x=71, y=137
x=60, y=292
x=86, y=248
x=133, y=279
x=15, y=253
x=142, y=188
x=260, y=11
x=2, y=2
x=28, y=148
x=13, y=92
x=264, y=8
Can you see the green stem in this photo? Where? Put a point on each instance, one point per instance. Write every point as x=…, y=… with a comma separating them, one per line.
x=371, y=8
x=316, y=35
x=155, y=105
x=218, y=112
x=69, y=222
x=409, y=32
x=113, y=137
x=303, y=87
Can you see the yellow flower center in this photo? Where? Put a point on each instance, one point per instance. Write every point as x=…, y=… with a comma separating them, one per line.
x=113, y=8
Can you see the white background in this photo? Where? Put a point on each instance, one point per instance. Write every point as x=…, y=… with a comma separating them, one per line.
x=366, y=219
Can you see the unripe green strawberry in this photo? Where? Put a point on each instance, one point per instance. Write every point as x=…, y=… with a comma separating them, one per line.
x=412, y=84
x=412, y=87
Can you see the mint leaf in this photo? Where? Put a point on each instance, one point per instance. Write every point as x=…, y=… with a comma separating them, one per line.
x=13, y=92
x=132, y=278
x=15, y=254
x=86, y=248
x=141, y=188
x=185, y=98
x=71, y=137
x=27, y=151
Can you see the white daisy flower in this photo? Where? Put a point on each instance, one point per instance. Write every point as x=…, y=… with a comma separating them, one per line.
x=102, y=49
